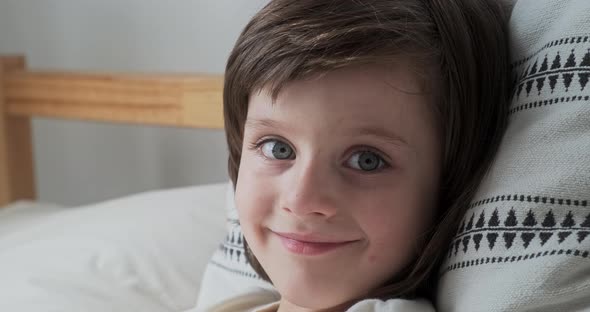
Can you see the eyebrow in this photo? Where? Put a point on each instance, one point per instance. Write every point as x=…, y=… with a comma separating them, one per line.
x=263, y=123
x=380, y=133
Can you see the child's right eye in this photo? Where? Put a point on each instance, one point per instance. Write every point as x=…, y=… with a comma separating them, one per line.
x=275, y=149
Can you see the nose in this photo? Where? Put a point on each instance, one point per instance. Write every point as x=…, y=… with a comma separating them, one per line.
x=311, y=191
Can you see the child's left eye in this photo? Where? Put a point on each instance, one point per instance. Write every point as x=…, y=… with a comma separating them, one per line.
x=366, y=161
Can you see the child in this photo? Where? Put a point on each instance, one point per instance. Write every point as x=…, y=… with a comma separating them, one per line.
x=358, y=131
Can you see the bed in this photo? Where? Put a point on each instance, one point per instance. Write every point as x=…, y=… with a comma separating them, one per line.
x=143, y=252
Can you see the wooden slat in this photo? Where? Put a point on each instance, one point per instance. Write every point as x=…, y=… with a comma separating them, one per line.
x=175, y=100
x=16, y=152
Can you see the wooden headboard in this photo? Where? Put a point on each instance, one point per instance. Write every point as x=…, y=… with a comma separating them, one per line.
x=193, y=101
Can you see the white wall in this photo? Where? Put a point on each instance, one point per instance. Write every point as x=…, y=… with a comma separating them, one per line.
x=79, y=162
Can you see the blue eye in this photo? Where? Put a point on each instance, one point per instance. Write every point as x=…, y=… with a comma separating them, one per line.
x=275, y=149
x=366, y=161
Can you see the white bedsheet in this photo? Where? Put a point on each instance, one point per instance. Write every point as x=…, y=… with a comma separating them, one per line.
x=145, y=252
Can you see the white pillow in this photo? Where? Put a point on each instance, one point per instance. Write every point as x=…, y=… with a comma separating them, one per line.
x=18, y=215
x=143, y=253
x=228, y=274
x=523, y=244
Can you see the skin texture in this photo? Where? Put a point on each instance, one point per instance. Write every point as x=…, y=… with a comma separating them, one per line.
x=327, y=126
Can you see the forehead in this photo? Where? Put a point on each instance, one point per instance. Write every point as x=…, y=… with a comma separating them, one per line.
x=362, y=94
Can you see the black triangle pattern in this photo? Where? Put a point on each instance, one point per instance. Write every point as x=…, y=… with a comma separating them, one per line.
x=481, y=221
x=553, y=43
x=563, y=235
x=233, y=248
x=582, y=235
x=526, y=238
x=567, y=80
x=534, y=69
x=569, y=220
x=492, y=239
x=477, y=239
x=538, y=76
x=545, y=236
x=530, y=219
x=470, y=224
x=529, y=229
x=571, y=60
x=586, y=59
x=544, y=65
x=556, y=62
x=553, y=82
x=494, y=220
x=508, y=239
x=549, y=220
x=511, y=220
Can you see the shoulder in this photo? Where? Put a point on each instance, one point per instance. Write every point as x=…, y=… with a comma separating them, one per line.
x=393, y=305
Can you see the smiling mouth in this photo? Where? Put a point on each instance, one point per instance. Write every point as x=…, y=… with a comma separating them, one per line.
x=310, y=245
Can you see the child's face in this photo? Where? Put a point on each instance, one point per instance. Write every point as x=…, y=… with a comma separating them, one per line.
x=338, y=181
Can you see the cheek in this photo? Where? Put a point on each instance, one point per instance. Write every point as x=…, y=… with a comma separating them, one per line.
x=395, y=222
x=253, y=196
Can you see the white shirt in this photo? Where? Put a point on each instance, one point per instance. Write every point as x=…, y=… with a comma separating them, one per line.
x=267, y=301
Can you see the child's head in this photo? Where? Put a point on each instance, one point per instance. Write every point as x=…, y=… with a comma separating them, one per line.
x=358, y=131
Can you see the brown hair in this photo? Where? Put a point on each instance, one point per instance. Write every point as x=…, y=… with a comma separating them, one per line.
x=466, y=39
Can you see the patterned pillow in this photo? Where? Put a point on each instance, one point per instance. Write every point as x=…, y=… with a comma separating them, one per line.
x=228, y=273
x=524, y=243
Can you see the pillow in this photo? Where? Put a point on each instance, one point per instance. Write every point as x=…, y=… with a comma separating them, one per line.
x=22, y=213
x=524, y=243
x=144, y=252
x=228, y=273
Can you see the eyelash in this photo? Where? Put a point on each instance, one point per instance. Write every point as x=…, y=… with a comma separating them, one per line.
x=257, y=147
x=361, y=149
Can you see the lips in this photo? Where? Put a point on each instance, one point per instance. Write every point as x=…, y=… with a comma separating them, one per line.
x=311, y=244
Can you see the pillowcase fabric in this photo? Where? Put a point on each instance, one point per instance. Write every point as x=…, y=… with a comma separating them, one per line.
x=524, y=243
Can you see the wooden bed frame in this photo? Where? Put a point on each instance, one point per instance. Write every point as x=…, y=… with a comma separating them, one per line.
x=193, y=101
